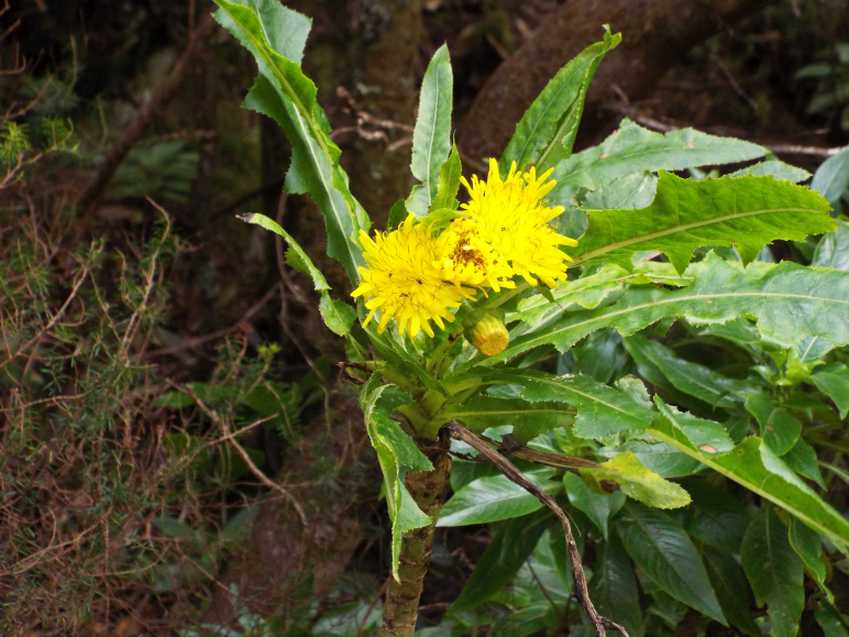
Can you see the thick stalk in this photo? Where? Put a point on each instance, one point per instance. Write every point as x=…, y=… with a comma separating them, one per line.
x=428, y=488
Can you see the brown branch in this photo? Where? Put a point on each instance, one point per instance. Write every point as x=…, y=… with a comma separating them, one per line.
x=506, y=467
x=163, y=94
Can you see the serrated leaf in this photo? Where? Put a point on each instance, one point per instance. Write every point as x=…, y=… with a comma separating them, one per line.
x=708, y=436
x=449, y=181
x=754, y=466
x=633, y=149
x=494, y=498
x=547, y=130
x=775, y=573
x=296, y=256
x=832, y=177
x=640, y=483
x=774, y=168
x=274, y=36
x=598, y=506
x=396, y=453
x=686, y=214
x=602, y=410
x=613, y=587
x=690, y=378
x=432, y=133
x=833, y=381
x=338, y=316
x=788, y=302
x=527, y=419
x=666, y=555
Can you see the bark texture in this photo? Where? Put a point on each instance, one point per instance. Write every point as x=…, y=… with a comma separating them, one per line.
x=656, y=35
x=400, y=608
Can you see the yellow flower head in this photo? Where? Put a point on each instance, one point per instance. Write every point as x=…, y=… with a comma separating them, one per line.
x=466, y=259
x=510, y=215
x=402, y=280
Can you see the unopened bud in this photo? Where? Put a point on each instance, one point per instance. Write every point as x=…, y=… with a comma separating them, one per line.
x=489, y=335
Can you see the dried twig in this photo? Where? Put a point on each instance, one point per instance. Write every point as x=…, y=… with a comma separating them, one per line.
x=506, y=467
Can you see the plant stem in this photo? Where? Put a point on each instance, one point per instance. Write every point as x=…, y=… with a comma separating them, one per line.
x=428, y=488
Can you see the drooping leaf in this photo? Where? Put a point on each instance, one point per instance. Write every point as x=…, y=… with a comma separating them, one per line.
x=666, y=555
x=274, y=36
x=832, y=177
x=787, y=301
x=396, y=453
x=547, y=130
x=598, y=506
x=808, y=547
x=833, y=381
x=775, y=573
x=754, y=466
x=602, y=410
x=494, y=498
x=640, y=483
x=633, y=149
x=613, y=587
x=686, y=214
x=512, y=543
x=432, y=133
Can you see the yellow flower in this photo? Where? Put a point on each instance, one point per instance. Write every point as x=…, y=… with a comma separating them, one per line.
x=466, y=259
x=490, y=336
x=402, y=281
x=510, y=216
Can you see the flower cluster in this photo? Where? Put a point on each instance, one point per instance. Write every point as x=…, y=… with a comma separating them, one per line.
x=415, y=276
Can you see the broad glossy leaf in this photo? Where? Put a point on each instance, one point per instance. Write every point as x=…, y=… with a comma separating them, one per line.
x=833, y=249
x=775, y=573
x=396, y=453
x=547, y=130
x=432, y=133
x=686, y=214
x=613, y=587
x=664, y=552
x=640, y=483
x=512, y=543
x=690, y=378
x=802, y=458
x=600, y=356
x=494, y=498
x=602, y=410
x=634, y=149
x=779, y=428
x=709, y=436
x=732, y=590
x=274, y=36
x=598, y=506
x=833, y=381
x=788, y=302
x=832, y=177
x=754, y=466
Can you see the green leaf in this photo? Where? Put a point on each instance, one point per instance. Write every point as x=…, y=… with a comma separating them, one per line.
x=613, y=587
x=833, y=249
x=449, y=181
x=775, y=573
x=296, y=256
x=547, y=130
x=632, y=191
x=512, y=543
x=338, y=315
x=634, y=149
x=754, y=466
x=802, y=458
x=732, y=590
x=808, y=547
x=832, y=623
x=274, y=36
x=639, y=482
x=774, y=168
x=396, y=453
x=663, y=551
x=686, y=214
x=831, y=179
x=494, y=498
x=598, y=506
x=527, y=419
x=690, y=378
x=707, y=436
x=602, y=410
x=432, y=133
x=780, y=429
x=788, y=302
x=833, y=381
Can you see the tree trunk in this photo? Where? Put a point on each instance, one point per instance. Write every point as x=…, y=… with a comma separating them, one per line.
x=400, y=609
x=656, y=34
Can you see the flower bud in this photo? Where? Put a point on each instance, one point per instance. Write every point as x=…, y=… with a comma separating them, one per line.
x=489, y=335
